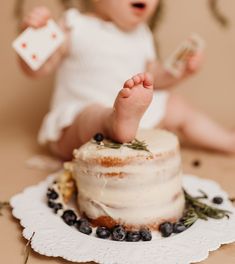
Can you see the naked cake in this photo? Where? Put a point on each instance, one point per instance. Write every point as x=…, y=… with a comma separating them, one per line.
x=129, y=185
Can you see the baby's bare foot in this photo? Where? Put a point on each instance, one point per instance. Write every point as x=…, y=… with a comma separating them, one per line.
x=129, y=107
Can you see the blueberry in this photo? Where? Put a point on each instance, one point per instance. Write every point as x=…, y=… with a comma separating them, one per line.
x=98, y=137
x=80, y=221
x=119, y=233
x=103, y=232
x=166, y=229
x=52, y=194
x=51, y=204
x=217, y=200
x=57, y=207
x=145, y=234
x=69, y=217
x=133, y=236
x=179, y=227
x=85, y=228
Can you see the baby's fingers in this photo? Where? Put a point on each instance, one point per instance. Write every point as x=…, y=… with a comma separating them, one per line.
x=43, y=13
x=37, y=18
x=195, y=62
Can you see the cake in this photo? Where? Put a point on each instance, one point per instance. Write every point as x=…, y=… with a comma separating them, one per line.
x=130, y=186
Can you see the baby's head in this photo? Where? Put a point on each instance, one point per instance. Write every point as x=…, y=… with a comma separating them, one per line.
x=126, y=14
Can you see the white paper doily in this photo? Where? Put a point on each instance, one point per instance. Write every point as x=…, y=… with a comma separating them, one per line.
x=54, y=238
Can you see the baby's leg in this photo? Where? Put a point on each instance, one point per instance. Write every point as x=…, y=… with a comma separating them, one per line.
x=196, y=128
x=119, y=123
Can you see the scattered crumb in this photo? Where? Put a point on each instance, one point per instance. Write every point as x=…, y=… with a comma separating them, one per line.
x=196, y=163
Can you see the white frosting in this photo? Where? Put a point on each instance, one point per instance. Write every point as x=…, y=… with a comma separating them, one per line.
x=146, y=189
x=159, y=142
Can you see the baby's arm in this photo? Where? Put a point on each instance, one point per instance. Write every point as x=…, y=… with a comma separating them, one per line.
x=165, y=80
x=37, y=18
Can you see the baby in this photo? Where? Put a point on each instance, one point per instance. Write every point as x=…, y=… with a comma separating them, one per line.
x=98, y=62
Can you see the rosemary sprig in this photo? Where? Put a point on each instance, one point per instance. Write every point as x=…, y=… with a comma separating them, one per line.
x=204, y=195
x=113, y=145
x=28, y=249
x=189, y=217
x=135, y=144
x=4, y=205
x=195, y=209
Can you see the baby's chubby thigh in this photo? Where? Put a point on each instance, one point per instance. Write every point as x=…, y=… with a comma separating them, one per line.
x=80, y=128
x=178, y=112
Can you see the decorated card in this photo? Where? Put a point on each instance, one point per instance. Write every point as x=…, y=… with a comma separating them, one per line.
x=35, y=46
x=176, y=63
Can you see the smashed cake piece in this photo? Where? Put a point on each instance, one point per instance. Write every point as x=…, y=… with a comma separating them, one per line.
x=66, y=183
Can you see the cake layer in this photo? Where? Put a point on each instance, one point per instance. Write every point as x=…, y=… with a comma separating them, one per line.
x=132, y=190
x=142, y=165
x=170, y=213
x=162, y=145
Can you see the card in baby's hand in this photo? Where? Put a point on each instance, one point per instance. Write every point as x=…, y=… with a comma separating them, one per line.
x=176, y=63
x=35, y=46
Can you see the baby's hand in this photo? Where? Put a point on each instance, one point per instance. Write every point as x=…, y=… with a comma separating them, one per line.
x=37, y=18
x=194, y=63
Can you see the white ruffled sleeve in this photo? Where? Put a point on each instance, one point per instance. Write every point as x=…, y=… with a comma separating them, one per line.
x=57, y=120
x=71, y=17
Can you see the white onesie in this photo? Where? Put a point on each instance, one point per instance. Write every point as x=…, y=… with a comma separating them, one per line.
x=101, y=59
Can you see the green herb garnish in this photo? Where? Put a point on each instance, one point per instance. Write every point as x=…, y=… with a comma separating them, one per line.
x=204, y=195
x=189, y=217
x=195, y=209
x=134, y=144
x=137, y=145
x=113, y=145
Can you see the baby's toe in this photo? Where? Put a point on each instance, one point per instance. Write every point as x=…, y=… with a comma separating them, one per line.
x=129, y=83
x=125, y=93
x=141, y=76
x=148, y=81
x=137, y=79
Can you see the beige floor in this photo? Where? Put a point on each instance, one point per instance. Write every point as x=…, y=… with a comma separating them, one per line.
x=16, y=148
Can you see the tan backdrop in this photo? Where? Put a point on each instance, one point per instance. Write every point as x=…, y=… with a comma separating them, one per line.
x=23, y=103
